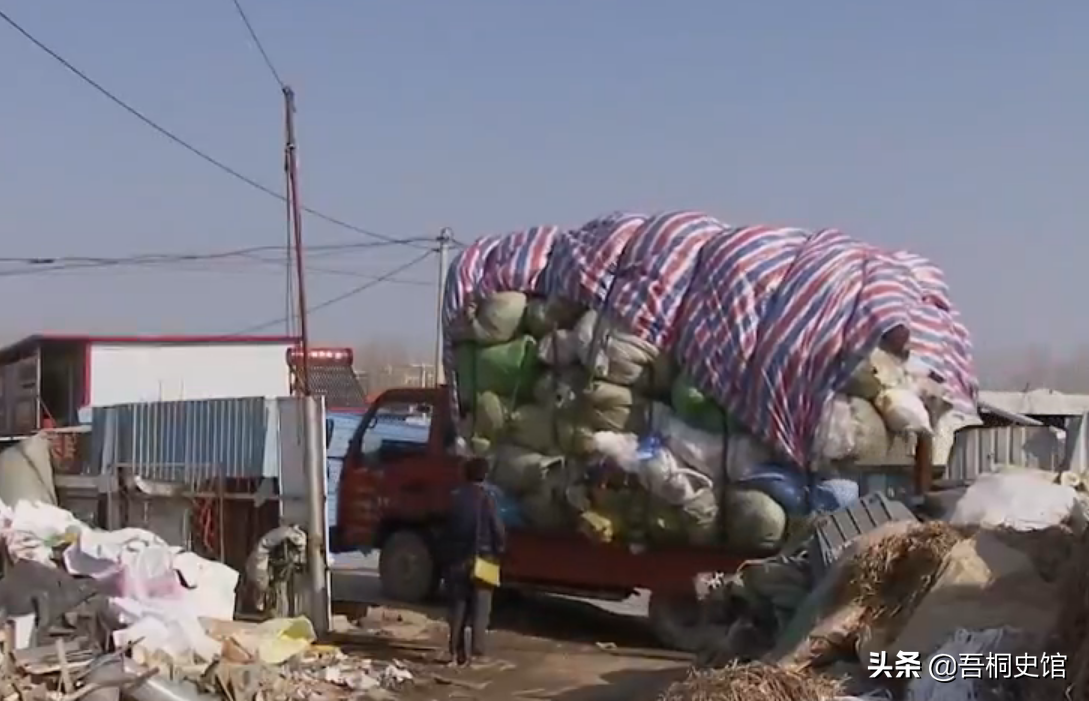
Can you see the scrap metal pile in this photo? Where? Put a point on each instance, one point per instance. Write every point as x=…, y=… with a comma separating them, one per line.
x=986, y=600
x=673, y=378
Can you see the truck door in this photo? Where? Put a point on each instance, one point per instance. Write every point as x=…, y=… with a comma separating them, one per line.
x=392, y=443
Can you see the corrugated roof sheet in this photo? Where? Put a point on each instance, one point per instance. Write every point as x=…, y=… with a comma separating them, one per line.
x=1038, y=402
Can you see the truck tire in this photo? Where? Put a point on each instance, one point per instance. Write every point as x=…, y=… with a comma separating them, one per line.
x=406, y=568
x=675, y=621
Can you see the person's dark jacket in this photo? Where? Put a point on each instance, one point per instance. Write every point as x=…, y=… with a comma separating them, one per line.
x=474, y=527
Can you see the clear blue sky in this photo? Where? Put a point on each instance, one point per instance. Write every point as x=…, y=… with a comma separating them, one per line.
x=953, y=129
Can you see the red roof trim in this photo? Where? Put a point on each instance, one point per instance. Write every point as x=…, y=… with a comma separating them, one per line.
x=38, y=339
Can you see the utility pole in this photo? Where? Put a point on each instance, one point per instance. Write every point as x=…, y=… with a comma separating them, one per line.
x=291, y=165
x=445, y=236
x=312, y=462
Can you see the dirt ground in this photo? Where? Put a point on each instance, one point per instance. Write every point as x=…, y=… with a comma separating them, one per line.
x=540, y=648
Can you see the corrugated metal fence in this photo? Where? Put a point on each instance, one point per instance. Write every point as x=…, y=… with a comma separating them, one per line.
x=978, y=450
x=202, y=474
x=183, y=441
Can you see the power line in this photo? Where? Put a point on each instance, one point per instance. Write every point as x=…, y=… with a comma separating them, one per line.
x=163, y=131
x=41, y=265
x=249, y=266
x=335, y=300
x=257, y=41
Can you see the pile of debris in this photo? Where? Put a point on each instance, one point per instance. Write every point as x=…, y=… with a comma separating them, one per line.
x=989, y=599
x=88, y=612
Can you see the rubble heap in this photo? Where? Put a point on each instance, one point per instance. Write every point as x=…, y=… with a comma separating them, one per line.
x=86, y=611
x=971, y=604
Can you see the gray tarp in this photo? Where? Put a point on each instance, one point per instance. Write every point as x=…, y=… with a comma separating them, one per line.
x=26, y=472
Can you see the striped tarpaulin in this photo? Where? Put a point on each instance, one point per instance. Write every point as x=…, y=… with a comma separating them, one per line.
x=769, y=321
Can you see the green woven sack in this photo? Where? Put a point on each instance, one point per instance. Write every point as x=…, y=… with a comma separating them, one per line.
x=695, y=408
x=507, y=369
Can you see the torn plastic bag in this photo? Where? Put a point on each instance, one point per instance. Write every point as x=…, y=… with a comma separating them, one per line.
x=696, y=448
x=663, y=475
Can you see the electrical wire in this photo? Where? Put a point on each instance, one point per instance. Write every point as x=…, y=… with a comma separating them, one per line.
x=249, y=266
x=334, y=300
x=260, y=46
x=163, y=131
x=41, y=265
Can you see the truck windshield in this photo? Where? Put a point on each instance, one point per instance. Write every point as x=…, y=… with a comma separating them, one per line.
x=400, y=427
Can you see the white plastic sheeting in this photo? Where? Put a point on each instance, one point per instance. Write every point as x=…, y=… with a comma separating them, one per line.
x=158, y=592
x=1022, y=500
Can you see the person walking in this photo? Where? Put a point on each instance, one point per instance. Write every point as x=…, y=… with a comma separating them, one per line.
x=474, y=530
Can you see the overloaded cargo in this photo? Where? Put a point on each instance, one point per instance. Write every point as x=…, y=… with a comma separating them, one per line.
x=672, y=378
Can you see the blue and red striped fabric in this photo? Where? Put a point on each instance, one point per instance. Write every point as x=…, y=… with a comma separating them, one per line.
x=769, y=321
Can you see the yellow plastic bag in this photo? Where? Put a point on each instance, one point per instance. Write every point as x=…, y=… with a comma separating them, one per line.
x=276, y=641
x=486, y=572
x=597, y=526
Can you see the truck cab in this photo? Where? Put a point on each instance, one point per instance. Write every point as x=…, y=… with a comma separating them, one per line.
x=395, y=492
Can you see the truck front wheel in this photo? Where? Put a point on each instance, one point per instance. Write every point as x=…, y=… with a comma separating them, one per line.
x=675, y=620
x=406, y=568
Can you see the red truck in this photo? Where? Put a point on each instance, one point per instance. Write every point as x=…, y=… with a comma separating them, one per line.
x=395, y=497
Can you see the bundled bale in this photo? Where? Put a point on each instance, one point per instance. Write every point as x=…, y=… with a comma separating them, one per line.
x=696, y=379
x=497, y=318
x=617, y=357
x=545, y=316
x=507, y=369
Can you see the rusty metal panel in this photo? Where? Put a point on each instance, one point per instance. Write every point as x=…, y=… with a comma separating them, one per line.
x=977, y=450
x=19, y=383
x=184, y=441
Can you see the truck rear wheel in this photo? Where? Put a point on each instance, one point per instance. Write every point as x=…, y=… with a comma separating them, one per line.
x=406, y=568
x=675, y=620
